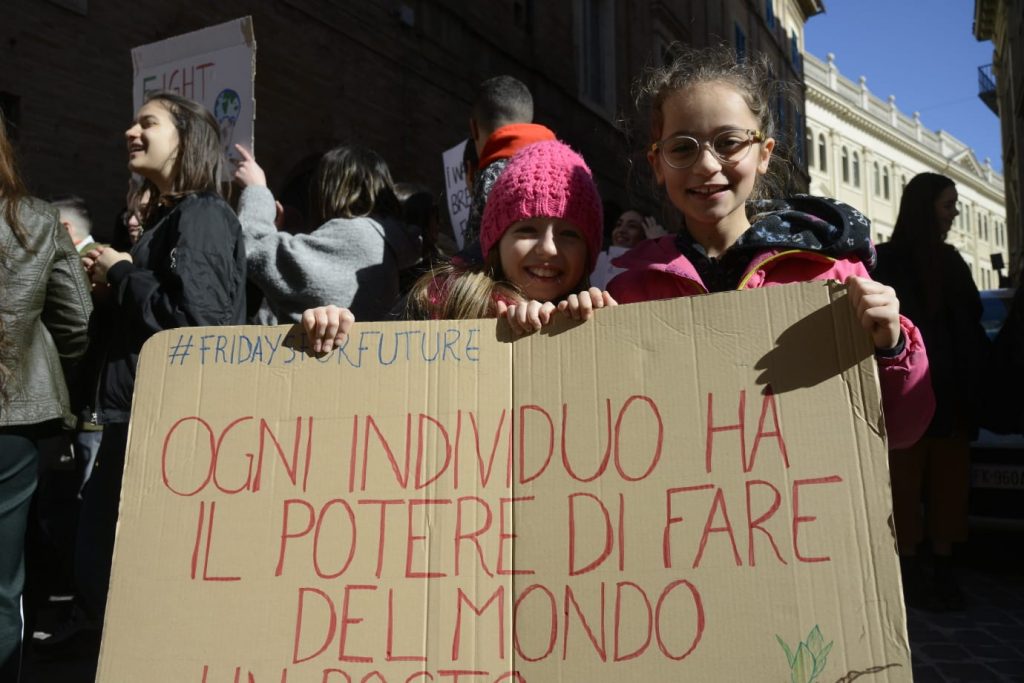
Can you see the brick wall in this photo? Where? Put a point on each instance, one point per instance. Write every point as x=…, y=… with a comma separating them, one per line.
x=327, y=73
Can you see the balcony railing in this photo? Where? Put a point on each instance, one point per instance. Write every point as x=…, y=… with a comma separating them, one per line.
x=987, y=88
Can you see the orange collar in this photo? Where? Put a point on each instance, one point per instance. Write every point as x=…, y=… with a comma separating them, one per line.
x=507, y=140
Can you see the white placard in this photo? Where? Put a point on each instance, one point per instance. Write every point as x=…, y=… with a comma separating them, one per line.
x=215, y=66
x=456, y=190
x=604, y=271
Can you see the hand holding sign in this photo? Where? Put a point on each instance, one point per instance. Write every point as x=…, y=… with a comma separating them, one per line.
x=327, y=326
x=877, y=309
x=530, y=316
x=248, y=172
x=582, y=306
x=526, y=316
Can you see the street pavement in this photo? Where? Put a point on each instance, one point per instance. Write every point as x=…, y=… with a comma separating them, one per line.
x=984, y=644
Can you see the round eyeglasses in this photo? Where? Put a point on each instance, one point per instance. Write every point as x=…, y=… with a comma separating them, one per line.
x=729, y=147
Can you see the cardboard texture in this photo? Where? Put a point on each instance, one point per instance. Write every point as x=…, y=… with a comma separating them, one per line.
x=694, y=489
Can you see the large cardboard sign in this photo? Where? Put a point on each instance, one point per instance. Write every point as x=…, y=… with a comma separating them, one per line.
x=215, y=66
x=694, y=489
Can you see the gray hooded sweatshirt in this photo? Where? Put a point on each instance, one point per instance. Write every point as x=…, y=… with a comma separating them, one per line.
x=350, y=262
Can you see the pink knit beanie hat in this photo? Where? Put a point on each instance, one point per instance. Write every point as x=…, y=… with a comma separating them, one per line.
x=544, y=179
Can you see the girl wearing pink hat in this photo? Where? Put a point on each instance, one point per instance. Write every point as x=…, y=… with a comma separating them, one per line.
x=540, y=236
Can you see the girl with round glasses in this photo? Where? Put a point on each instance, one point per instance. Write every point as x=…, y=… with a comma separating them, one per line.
x=713, y=127
x=729, y=147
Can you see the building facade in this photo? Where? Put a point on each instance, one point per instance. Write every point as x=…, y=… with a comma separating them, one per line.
x=863, y=150
x=395, y=75
x=1001, y=86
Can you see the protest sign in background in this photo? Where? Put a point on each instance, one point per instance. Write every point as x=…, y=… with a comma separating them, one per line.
x=684, y=490
x=215, y=66
x=456, y=190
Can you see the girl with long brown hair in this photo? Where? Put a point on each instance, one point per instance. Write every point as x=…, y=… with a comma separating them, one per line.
x=187, y=269
x=937, y=292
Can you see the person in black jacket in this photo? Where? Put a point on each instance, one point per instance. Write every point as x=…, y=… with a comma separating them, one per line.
x=937, y=292
x=187, y=269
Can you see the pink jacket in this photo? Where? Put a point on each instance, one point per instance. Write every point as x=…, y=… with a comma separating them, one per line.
x=657, y=270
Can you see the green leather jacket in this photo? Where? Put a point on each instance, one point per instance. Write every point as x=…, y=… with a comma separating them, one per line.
x=45, y=305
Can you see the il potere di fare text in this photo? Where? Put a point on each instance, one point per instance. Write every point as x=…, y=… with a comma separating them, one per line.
x=481, y=481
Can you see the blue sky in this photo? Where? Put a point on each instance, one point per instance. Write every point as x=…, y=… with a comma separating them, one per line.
x=921, y=51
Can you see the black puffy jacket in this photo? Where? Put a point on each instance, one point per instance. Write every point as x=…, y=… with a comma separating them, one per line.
x=188, y=269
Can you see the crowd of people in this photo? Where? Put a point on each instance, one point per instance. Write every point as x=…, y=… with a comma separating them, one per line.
x=76, y=313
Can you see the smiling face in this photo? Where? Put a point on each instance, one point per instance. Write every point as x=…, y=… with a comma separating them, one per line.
x=153, y=144
x=710, y=194
x=629, y=230
x=945, y=210
x=544, y=257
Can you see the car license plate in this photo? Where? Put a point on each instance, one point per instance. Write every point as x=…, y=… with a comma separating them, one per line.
x=997, y=477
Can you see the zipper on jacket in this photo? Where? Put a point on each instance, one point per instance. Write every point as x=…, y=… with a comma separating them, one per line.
x=99, y=384
x=754, y=268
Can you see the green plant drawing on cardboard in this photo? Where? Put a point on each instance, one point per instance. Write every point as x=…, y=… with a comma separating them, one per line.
x=808, y=659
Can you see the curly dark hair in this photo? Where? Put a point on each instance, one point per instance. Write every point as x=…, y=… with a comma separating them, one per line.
x=752, y=77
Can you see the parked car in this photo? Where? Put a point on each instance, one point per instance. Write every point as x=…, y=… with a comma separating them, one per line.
x=997, y=460
x=995, y=304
